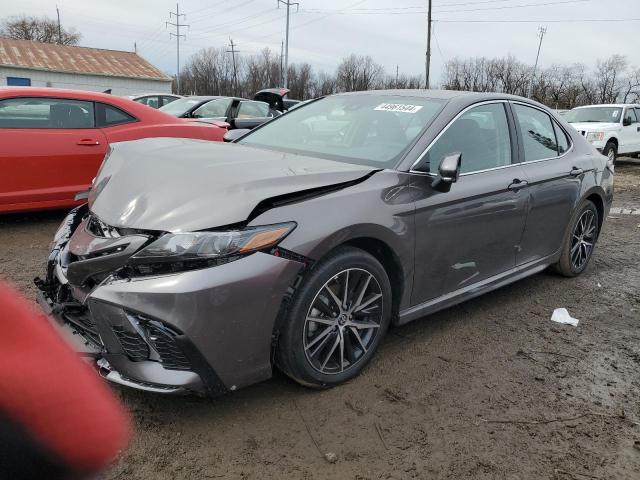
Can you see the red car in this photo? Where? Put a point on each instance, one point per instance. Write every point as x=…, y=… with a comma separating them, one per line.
x=53, y=141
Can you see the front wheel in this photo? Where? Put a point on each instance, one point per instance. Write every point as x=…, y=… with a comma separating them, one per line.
x=610, y=150
x=580, y=241
x=336, y=320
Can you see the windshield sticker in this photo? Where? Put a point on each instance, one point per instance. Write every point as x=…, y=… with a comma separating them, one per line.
x=398, y=107
x=615, y=113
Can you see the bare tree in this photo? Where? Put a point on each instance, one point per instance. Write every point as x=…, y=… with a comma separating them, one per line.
x=40, y=29
x=357, y=73
x=631, y=89
x=607, y=79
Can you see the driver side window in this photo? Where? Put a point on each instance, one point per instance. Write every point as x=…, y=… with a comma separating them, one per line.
x=630, y=116
x=481, y=135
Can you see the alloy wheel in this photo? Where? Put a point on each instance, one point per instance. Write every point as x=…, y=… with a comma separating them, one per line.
x=583, y=239
x=611, y=154
x=343, y=321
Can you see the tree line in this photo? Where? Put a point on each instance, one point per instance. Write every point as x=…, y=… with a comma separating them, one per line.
x=559, y=86
x=211, y=72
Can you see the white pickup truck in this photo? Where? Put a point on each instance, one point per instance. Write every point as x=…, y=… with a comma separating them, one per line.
x=612, y=129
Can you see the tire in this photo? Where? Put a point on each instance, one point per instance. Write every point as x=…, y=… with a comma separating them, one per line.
x=584, y=227
x=304, y=350
x=611, y=150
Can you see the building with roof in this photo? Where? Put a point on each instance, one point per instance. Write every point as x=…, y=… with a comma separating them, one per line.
x=29, y=63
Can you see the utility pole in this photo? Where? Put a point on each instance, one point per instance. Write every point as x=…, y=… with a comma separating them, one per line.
x=288, y=4
x=281, y=60
x=177, y=25
x=233, y=52
x=397, y=69
x=135, y=47
x=541, y=33
x=59, y=29
x=427, y=68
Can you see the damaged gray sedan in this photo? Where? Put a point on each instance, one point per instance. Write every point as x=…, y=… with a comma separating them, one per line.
x=199, y=266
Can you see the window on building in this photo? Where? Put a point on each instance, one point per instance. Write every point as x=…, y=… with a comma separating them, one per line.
x=18, y=82
x=35, y=112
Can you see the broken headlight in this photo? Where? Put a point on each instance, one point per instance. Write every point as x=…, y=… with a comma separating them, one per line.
x=174, y=252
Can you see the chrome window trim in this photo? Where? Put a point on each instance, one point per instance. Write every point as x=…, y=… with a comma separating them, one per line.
x=426, y=150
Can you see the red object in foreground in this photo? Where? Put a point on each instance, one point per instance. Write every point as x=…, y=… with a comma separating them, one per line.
x=53, y=141
x=57, y=417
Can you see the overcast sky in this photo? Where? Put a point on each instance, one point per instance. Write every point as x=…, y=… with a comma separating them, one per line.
x=324, y=31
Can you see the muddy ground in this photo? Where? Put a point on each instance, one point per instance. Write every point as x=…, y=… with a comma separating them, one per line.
x=488, y=389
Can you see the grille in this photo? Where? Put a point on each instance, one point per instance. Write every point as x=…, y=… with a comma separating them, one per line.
x=79, y=318
x=100, y=229
x=163, y=341
x=158, y=339
x=132, y=344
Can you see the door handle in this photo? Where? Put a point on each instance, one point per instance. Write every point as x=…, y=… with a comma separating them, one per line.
x=518, y=184
x=575, y=171
x=88, y=142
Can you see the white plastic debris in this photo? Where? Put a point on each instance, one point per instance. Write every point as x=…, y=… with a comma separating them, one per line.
x=561, y=315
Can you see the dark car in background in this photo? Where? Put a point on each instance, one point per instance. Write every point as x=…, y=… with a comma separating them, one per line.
x=298, y=245
x=237, y=112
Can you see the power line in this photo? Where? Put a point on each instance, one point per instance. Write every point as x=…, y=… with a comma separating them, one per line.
x=404, y=10
x=428, y=60
x=542, y=31
x=177, y=25
x=288, y=4
x=578, y=20
x=233, y=52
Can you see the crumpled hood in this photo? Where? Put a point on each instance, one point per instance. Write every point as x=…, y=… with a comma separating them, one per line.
x=595, y=126
x=176, y=184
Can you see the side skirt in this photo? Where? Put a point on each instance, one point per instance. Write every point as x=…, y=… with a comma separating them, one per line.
x=475, y=290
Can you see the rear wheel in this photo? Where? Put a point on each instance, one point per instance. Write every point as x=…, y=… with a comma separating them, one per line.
x=580, y=241
x=611, y=151
x=336, y=320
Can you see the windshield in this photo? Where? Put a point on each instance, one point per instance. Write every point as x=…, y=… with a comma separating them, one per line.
x=594, y=114
x=181, y=106
x=372, y=130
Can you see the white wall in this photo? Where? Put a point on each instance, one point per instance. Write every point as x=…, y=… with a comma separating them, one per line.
x=94, y=83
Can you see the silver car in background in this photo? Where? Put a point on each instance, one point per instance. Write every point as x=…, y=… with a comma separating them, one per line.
x=199, y=266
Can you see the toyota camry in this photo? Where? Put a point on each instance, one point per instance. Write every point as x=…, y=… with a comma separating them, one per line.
x=199, y=266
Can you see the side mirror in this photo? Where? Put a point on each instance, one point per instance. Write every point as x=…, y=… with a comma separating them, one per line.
x=233, y=135
x=448, y=172
x=626, y=122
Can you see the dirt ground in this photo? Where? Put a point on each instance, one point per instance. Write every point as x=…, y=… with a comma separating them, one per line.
x=490, y=389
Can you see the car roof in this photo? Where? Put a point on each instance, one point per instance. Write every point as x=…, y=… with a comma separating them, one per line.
x=140, y=95
x=447, y=95
x=611, y=105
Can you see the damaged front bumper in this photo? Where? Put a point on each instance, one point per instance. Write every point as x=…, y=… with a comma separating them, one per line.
x=205, y=331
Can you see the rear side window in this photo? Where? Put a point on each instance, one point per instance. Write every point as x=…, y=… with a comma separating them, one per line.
x=152, y=102
x=109, y=116
x=538, y=135
x=562, y=140
x=481, y=135
x=51, y=113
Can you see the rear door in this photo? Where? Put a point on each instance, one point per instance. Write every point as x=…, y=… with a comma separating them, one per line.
x=50, y=151
x=471, y=233
x=555, y=178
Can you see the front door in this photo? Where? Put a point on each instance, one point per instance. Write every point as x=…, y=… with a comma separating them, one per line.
x=630, y=133
x=50, y=151
x=472, y=232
